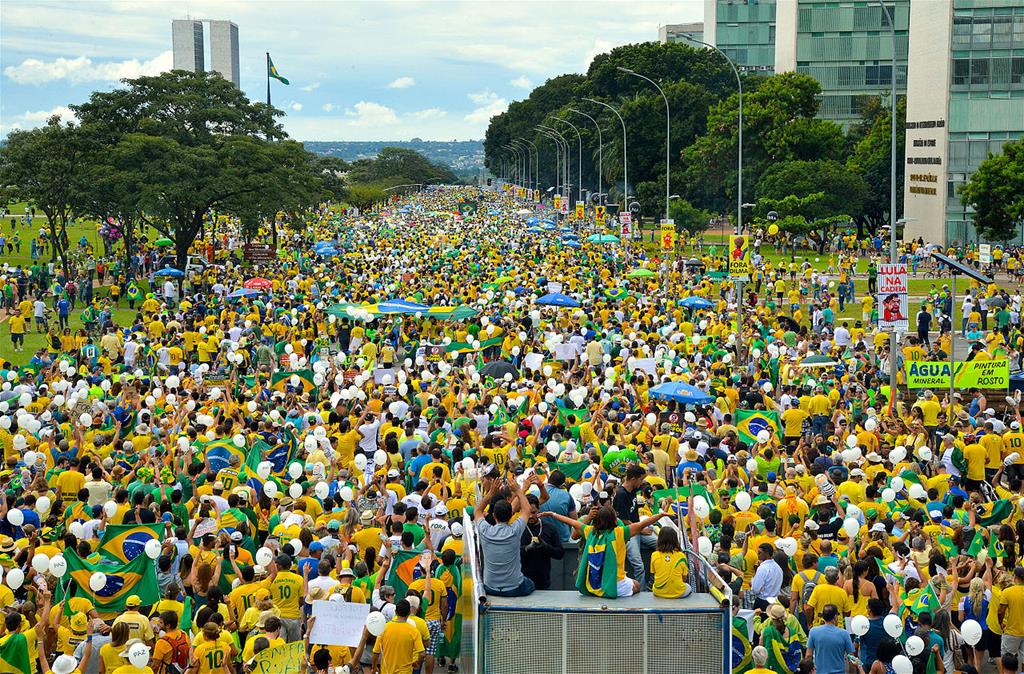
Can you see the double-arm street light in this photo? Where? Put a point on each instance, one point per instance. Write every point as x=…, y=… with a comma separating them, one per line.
x=668, y=132
x=625, y=168
x=579, y=139
x=600, y=146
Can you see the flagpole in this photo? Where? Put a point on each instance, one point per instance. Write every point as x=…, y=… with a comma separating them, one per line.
x=268, y=79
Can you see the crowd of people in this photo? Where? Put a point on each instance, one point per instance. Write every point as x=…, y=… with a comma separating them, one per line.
x=180, y=487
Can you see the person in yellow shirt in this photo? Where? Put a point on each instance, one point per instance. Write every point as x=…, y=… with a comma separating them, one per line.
x=16, y=323
x=669, y=567
x=286, y=592
x=213, y=655
x=138, y=624
x=793, y=423
x=827, y=593
x=399, y=649
x=976, y=457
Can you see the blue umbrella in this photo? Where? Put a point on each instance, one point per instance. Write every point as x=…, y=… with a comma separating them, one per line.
x=535, y=230
x=557, y=300
x=681, y=393
x=243, y=292
x=170, y=271
x=522, y=290
x=569, y=243
x=697, y=303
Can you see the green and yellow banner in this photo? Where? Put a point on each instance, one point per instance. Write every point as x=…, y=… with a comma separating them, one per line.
x=973, y=374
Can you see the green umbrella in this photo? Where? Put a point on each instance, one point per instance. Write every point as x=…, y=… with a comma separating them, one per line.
x=640, y=273
x=164, y=242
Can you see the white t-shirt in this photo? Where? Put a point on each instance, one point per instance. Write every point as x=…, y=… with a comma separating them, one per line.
x=368, y=443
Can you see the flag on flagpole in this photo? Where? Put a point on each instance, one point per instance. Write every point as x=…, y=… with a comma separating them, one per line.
x=272, y=71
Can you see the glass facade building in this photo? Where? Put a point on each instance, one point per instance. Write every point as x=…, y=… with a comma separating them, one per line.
x=744, y=30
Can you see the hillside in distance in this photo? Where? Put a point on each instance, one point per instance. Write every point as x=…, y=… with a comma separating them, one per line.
x=462, y=156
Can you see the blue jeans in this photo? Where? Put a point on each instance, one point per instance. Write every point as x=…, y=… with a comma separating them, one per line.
x=634, y=557
x=525, y=588
x=819, y=424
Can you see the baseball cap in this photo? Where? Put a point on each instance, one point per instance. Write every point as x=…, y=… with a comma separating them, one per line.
x=133, y=601
x=237, y=536
x=316, y=546
x=441, y=510
x=877, y=527
x=333, y=525
x=456, y=530
x=79, y=622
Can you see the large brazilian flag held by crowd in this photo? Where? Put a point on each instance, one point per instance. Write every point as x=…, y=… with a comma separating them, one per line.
x=123, y=580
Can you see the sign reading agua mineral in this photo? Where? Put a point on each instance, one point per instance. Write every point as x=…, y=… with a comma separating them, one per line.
x=974, y=374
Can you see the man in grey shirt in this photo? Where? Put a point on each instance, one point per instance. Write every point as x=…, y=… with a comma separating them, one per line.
x=499, y=543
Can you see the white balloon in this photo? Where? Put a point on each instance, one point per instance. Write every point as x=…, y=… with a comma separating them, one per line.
x=110, y=507
x=345, y=493
x=296, y=546
x=859, y=625
x=925, y=453
x=58, y=566
x=851, y=441
x=751, y=465
x=85, y=419
x=742, y=501
x=901, y=664
x=914, y=645
x=30, y=458
x=701, y=507
x=380, y=457
x=152, y=548
x=263, y=469
x=704, y=546
x=322, y=490
x=971, y=632
x=43, y=504
x=763, y=436
x=295, y=490
x=375, y=623
x=15, y=517
x=897, y=484
x=15, y=577
x=917, y=492
x=851, y=527
x=239, y=440
x=888, y=495
x=359, y=462
x=270, y=489
x=264, y=556
x=870, y=425
x=97, y=581
x=40, y=562
x=893, y=625
x=295, y=470
x=897, y=454
x=138, y=655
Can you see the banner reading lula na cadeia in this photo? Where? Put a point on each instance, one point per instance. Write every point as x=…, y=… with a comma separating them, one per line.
x=973, y=374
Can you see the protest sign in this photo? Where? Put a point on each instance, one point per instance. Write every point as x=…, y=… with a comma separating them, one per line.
x=285, y=659
x=338, y=623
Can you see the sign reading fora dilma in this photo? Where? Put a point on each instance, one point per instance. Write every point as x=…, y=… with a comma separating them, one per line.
x=973, y=374
x=892, y=297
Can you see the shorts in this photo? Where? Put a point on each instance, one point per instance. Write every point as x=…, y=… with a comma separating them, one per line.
x=436, y=634
x=624, y=588
x=17, y=339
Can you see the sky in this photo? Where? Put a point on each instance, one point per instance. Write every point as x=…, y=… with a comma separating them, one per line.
x=430, y=69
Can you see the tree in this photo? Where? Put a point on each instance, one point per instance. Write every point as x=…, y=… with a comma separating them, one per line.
x=43, y=166
x=364, y=196
x=842, y=190
x=996, y=193
x=870, y=144
x=779, y=124
x=193, y=142
x=689, y=218
x=396, y=165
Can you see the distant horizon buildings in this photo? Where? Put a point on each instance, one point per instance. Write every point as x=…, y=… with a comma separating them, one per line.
x=188, y=47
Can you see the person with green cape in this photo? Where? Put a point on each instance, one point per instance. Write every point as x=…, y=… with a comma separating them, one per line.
x=602, y=571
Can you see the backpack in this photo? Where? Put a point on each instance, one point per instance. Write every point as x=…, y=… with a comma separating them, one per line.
x=179, y=654
x=809, y=585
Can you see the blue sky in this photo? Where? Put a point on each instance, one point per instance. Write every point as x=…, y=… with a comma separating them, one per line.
x=433, y=69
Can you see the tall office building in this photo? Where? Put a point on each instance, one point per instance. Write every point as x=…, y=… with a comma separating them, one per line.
x=965, y=99
x=224, y=50
x=187, y=44
x=678, y=32
x=744, y=30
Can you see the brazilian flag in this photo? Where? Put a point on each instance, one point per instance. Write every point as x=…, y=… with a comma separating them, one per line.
x=921, y=600
x=505, y=414
x=219, y=453
x=123, y=580
x=283, y=382
x=272, y=71
x=679, y=496
x=573, y=471
x=582, y=414
x=405, y=568
x=125, y=542
x=451, y=576
x=14, y=658
x=751, y=422
x=598, y=573
x=742, y=635
x=994, y=512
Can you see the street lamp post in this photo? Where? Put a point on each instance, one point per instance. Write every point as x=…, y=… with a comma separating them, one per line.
x=568, y=147
x=536, y=163
x=559, y=164
x=579, y=159
x=600, y=146
x=519, y=162
x=893, y=257
x=529, y=161
x=625, y=168
x=668, y=132
x=739, y=188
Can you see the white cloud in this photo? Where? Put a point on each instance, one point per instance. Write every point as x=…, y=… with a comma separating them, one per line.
x=82, y=69
x=402, y=83
x=599, y=47
x=522, y=82
x=40, y=116
x=297, y=107
x=311, y=86
x=367, y=113
x=488, y=105
x=328, y=107
x=429, y=113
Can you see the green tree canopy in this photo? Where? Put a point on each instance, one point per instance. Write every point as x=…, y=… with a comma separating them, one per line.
x=996, y=193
